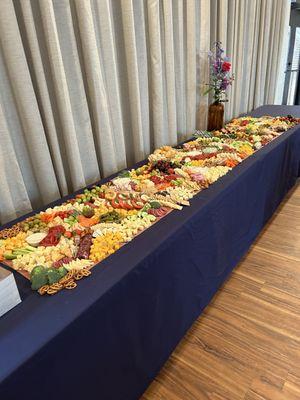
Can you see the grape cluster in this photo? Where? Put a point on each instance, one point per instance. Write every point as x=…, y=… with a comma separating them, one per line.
x=165, y=166
x=33, y=224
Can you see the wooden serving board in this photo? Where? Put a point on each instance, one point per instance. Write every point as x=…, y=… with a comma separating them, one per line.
x=20, y=271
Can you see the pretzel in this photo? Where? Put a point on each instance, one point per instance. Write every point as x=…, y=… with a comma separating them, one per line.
x=79, y=275
x=56, y=286
x=43, y=290
x=85, y=272
x=70, y=285
x=51, y=291
x=68, y=277
x=10, y=232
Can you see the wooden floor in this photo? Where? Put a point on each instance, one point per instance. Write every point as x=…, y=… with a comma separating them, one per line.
x=246, y=345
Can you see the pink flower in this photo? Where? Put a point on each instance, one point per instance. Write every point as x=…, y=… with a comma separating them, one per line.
x=226, y=66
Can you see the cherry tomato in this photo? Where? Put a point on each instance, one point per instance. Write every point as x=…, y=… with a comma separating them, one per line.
x=128, y=205
x=122, y=196
x=115, y=203
x=137, y=204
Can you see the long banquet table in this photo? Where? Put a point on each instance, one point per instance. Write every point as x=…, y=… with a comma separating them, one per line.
x=108, y=338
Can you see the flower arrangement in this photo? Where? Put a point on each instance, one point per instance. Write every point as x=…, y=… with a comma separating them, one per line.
x=220, y=73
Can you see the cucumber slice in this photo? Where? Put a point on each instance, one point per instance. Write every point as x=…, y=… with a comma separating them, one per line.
x=10, y=256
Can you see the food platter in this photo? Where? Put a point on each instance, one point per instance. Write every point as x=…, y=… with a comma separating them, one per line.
x=58, y=246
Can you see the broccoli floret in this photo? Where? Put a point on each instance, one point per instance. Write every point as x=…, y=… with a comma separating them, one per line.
x=62, y=271
x=53, y=275
x=38, y=280
x=37, y=270
x=155, y=204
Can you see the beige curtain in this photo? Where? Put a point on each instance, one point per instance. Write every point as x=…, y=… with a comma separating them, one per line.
x=88, y=87
x=254, y=34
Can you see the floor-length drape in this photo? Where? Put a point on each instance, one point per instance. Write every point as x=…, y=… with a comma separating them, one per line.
x=254, y=35
x=88, y=87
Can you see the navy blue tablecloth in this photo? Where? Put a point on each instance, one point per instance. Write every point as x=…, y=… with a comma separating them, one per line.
x=108, y=338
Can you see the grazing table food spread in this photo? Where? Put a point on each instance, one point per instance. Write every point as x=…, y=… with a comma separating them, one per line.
x=146, y=250
x=57, y=247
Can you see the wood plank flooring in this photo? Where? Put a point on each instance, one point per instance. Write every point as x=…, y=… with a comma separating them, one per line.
x=246, y=345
